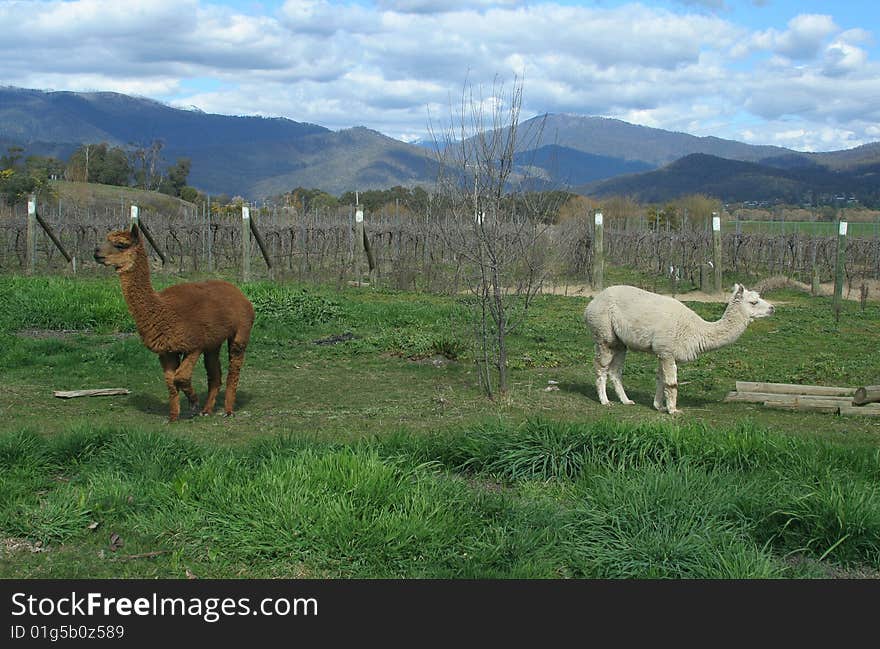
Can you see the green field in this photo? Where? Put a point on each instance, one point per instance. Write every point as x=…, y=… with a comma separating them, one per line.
x=809, y=228
x=376, y=456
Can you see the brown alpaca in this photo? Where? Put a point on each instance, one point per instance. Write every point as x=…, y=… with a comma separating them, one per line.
x=182, y=321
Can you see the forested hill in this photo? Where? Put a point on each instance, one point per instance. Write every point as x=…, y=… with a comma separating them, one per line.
x=738, y=181
x=251, y=156
x=258, y=157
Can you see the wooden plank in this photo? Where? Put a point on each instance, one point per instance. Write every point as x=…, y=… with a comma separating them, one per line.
x=804, y=407
x=98, y=392
x=793, y=388
x=754, y=397
x=761, y=397
x=865, y=411
x=866, y=394
x=800, y=401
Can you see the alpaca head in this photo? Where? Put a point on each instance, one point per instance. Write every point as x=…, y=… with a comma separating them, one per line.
x=750, y=302
x=120, y=249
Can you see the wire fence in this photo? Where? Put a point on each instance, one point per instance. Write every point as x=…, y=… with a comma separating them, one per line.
x=411, y=252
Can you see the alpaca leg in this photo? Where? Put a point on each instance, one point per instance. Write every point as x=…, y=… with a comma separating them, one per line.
x=615, y=373
x=183, y=379
x=170, y=363
x=658, y=394
x=602, y=361
x=236, y=360
x=212, y=367
x=670, y=383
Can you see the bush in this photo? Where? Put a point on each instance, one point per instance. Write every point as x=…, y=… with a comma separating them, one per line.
x=292, y=306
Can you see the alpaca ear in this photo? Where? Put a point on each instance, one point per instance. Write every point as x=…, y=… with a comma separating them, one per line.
x=135, y=233
x=739, y=290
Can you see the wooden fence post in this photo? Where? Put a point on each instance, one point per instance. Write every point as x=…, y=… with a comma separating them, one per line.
x=136, y=220
x=262, y=246
x=210, y=236
x=33, y=220
x=716, y=240
x=49, y=232
x=839, y=271
x=358, y=242
x=598, y=253
x=245, y=243
x=31, y=234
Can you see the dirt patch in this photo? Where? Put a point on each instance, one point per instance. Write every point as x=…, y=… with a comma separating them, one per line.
x=335, y=340
x=585, y=290
x=484, y=484
x=51, y=333
x=65, y=333
x=11, y=546
x=849, y=292
x=834, y=571
x=437, y=360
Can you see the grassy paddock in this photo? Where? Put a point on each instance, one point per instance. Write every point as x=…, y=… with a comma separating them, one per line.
x=541, y=499
x=821, y=228
x=376, y=456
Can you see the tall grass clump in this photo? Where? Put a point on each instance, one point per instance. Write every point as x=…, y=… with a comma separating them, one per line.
x=53, y=487
x=62, y=303
x=674, y=522
x=343, y=509
x=545, y=499
x=796, y=495
x=291, y=305
x=337, y=509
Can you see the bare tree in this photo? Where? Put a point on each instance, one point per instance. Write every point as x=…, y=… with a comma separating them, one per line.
x=497, y=223
x=145, y=162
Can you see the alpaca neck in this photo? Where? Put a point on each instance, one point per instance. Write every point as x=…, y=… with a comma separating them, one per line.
x=150, y=313
x=726, y=330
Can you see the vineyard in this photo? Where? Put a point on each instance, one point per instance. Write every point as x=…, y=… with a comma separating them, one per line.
x=412, y=252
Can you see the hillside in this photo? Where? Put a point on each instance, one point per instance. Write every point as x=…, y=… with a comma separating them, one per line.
x=570, y=167
x=98, y=197
x=737, y=181
x=257, y=157
x=652, y=146
x=251, y=156
x=575, y=151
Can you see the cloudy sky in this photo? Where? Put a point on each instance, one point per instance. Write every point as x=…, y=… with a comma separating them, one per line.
x=798, y=73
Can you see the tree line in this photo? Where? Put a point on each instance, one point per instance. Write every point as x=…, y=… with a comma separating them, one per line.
x=136, y=166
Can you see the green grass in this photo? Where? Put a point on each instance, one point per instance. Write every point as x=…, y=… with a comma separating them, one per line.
x=366, y=459
x=821, y=228
x=116, y=197
x=541, y=500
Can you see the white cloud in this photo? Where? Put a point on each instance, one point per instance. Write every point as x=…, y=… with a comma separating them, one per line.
x=842, y=58
x=803, y=137
x=802, y=40
x=442, y=6
x=387, y=65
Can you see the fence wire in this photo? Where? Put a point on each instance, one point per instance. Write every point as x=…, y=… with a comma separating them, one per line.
x=410, y=251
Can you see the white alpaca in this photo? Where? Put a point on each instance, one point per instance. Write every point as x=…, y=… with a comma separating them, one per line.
x=626, y=318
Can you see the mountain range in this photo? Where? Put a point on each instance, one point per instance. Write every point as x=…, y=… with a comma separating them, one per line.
x=256, y=157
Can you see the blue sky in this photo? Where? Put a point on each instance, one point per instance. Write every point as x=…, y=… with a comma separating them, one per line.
x=803, y=74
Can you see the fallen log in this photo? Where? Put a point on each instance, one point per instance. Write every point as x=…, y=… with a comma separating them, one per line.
x=99, y=392
x=805, y=406
x=866, y=394
x=869, y=410
x=790, y=399
x=793, y=388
